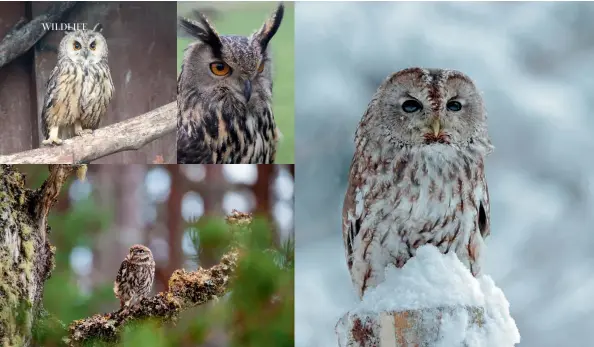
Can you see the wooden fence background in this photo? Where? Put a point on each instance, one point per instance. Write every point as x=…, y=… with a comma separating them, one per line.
x=141, y=37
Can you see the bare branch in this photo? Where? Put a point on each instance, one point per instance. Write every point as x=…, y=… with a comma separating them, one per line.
x=127, y=135
x=23, y=36
x=186, y=290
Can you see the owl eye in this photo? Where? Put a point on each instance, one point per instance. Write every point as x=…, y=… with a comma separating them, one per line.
x=410, y=106
x=454, y=106
x=93, y=46
x=261, y=67
x=77, y=45
x=220, y=69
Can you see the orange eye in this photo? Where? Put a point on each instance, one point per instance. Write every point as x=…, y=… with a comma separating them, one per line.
x=77, y=45
x=220, y=69
x=261, y=67
x=93, y=46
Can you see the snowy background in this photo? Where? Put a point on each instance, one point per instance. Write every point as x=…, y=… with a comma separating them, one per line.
x=534, y=63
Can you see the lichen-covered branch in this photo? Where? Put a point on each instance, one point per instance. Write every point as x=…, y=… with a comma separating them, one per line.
x=186, y=290
x=127, y=135
x=49, y=191
x=26, y=256
x=23, y=36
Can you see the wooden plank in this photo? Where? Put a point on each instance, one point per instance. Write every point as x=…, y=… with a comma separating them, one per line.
x=16, y=108
x=141, y=37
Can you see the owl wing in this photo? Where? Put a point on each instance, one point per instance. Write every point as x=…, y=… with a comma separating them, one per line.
x=352, y=211
x=51, y=93
x=121, y=274
x=191, y=145
x=484, y=212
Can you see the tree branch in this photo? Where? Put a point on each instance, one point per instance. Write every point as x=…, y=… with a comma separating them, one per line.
x=48, y=195
x=186, y=290
x=127, y=135
x=23, y=36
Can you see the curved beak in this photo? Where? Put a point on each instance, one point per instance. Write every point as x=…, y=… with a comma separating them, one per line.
x=85, y=53
x=247, y=90
x=436, y=126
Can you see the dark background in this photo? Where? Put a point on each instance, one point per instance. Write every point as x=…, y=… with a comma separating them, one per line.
x=141, y=38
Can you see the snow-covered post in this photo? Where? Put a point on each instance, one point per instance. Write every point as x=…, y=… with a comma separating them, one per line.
x=433, y=301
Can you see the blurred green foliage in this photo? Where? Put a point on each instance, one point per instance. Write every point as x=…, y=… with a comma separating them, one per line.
x=243, y=18
x=258, y=310
x=63, y=300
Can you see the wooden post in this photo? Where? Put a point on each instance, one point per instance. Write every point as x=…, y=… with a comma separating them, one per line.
x=410, y=328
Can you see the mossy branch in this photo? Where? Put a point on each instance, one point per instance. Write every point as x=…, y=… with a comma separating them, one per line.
x=186, y=290
x=48, y=194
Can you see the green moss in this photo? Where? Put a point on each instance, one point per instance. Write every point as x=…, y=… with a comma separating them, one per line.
x=16, y=311
x=28, y=249
x=27, y=268
x=26, y=229
x=8, y=301
x=22, y=199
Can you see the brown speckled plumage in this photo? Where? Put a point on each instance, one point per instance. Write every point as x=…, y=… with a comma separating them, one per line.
x=227, y=119
x=135, y=276
x=417, y=176
x=79, y=88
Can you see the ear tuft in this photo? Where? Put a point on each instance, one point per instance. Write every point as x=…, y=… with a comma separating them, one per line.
x=98, y=27
x=203, y=31
x=270, y=27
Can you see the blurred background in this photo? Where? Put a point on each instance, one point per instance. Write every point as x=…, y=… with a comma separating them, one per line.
x=96, y=221
x=140, y=38
x=534, y=63
x=244, y=18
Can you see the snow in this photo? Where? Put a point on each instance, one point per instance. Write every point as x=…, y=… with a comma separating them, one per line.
x=429, y=279
x=433, y=280
x=532, y=61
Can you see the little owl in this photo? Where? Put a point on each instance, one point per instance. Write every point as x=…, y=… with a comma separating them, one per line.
x=79, y=88
x=135, y=277
x=417, y=176
x=224, y=96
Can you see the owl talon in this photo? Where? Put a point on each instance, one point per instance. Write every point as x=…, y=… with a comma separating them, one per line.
x=51, y=141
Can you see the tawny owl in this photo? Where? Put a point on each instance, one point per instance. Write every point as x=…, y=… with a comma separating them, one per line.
x=135, y=277
x=417, y=176
x=225, y=96
x=79, y=88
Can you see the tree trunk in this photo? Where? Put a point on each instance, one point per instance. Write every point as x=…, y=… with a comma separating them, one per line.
x=411, y=328
x=26, y=256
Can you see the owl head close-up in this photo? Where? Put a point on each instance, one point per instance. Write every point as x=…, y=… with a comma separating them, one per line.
x=140, y=254
x=84, y=46
x=228, y=65
x=426, y=107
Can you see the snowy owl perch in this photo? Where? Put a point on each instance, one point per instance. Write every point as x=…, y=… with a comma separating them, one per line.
x=433, y=301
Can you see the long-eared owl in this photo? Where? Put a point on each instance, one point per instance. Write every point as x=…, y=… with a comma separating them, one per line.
x=79, y=88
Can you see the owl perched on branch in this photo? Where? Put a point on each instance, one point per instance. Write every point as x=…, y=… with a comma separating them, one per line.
x=79, y=88
x=417, y=176
x=135, y=277
x=225, y=96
